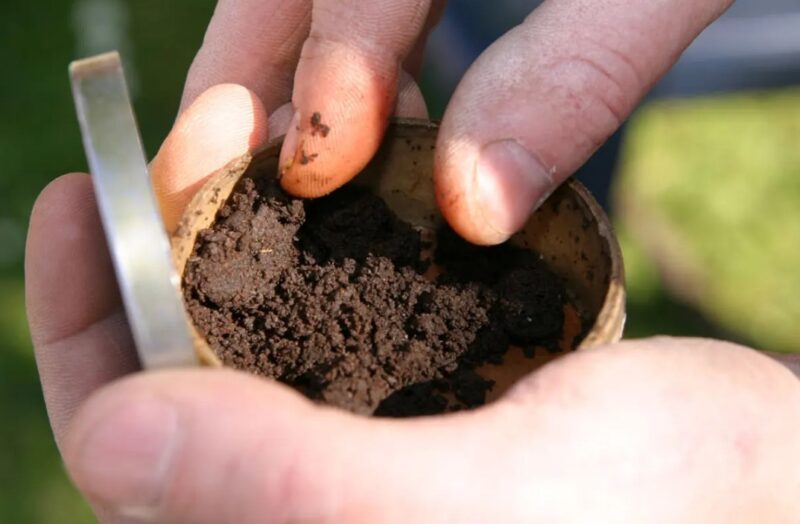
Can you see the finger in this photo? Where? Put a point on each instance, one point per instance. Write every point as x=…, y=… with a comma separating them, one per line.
x=410, y=102
x=79, y=332
x=346, y=89
x=665, y=430
x=542, y=99
x=225, y=122
x=220, y=447
x=253, y=43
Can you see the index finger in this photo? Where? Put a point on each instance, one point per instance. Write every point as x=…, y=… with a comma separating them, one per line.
x=241, y=76
x=253, y=43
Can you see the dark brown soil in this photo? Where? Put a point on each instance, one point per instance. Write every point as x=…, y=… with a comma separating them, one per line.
x=329, y=296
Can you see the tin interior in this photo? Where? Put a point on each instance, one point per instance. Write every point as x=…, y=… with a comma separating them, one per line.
x=569, y=230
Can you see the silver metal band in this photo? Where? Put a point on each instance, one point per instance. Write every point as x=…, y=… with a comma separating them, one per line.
x=139, y=246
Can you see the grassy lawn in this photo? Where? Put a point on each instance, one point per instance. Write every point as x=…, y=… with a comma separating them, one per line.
x=720, y=176
x=711, y=190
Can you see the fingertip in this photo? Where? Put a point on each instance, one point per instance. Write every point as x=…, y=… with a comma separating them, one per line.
x=345, y=91
x=151, y=444
x=342, y=110
x=119, y=447
x=494, y=165
x=223, y=123
x=457, y=193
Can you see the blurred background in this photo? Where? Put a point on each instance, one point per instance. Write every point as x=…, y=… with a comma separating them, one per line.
x=703, y=183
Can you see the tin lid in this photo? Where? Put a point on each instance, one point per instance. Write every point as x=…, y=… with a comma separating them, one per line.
x=140, y=249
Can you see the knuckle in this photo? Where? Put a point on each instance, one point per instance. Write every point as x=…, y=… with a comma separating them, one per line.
x=591, y=94
x=596, y=88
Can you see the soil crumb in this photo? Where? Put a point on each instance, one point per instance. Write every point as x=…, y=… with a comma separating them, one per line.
x=329, y=297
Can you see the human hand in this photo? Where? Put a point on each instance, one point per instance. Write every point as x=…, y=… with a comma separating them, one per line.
x=528, y=113
x=650, y=431
x=655, y=431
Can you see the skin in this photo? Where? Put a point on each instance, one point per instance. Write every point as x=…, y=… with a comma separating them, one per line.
x=662, y=430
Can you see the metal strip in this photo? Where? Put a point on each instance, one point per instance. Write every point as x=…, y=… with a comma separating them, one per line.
x=133, y=225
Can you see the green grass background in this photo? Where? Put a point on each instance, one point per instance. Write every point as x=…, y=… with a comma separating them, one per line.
x=722, y=178
x=722, y=175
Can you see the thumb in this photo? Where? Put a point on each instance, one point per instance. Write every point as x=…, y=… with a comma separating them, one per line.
x=223, y=447
x=541, y=100
x=223, y=123
x=653, y=431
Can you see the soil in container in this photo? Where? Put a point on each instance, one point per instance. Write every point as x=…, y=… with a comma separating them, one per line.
x=345, y=302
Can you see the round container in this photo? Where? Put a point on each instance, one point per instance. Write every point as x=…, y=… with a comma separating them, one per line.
x=569, y=230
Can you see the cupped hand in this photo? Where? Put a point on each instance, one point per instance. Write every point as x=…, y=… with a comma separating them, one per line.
x=666, y=430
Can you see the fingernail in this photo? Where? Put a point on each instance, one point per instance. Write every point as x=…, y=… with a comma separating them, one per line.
x=290, y=143
x=124, y=457
x=510, y=184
